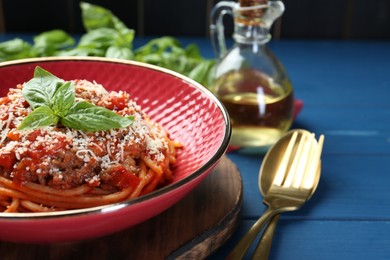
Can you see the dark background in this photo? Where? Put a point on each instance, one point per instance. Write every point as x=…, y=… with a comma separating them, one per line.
x=325, y=19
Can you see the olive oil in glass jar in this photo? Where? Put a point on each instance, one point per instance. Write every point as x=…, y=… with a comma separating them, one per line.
x=249, y=80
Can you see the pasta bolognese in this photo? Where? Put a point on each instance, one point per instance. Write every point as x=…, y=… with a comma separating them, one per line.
x=55, y=167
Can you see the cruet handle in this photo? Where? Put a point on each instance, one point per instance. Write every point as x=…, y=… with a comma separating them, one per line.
x=275, y=10
x=217, y=31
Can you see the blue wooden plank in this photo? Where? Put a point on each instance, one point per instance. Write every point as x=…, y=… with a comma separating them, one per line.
x=373, y=119
x=346, y=119
x=352, y=141
x=301, y=56
x=333, y=240
x=336, y=72
x=348, y=130
x=353, y=187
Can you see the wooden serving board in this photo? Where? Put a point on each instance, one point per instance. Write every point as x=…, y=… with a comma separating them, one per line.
x=192, y=229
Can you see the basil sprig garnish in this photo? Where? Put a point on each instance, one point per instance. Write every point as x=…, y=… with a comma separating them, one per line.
x=53, y=101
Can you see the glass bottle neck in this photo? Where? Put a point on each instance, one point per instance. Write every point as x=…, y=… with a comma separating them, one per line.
x=251, y=34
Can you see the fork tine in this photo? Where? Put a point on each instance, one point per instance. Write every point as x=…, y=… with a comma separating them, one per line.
x=310, y=173
x=281, y=173
x=304, y=160
x=299, y=159
x=310, y=161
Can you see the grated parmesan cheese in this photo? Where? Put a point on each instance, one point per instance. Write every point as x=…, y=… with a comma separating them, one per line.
x=71, y=157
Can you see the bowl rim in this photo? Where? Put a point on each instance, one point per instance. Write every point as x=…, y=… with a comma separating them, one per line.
x=166, y=189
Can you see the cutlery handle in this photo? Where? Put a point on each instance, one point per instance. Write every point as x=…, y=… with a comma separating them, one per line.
x=240, y=249
x=264, y=245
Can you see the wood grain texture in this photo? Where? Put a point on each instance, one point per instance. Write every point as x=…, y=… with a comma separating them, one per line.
x=194, y=228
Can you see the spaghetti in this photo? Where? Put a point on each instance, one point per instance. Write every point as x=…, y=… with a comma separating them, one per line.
x=55, y=168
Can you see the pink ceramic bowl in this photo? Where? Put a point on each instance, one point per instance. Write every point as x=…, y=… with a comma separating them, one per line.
x=190, y=112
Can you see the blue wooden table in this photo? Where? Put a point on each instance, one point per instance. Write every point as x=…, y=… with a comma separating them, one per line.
x=345, y=87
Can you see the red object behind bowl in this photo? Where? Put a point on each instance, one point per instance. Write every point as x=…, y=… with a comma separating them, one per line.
x=189, y=112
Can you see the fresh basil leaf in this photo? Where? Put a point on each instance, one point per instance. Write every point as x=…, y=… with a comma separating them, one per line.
x=152, y=58
x=167, y=52
x=58, y=38
x=64, y=99
x=126, y=34
x=192, y=51
x=80, y=105
x=106, y=42
x=101, y=38
x=200, y=72
x=48, y=43
x=84, y=51
x=15, y=49
x=119, y=53
x=87, y=117
x=79, y=51
x=158, y=45
x=95, y=17
x=40, y=90
x=42, y=116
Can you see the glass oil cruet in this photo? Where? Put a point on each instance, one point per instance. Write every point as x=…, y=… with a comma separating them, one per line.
x=249, y=79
